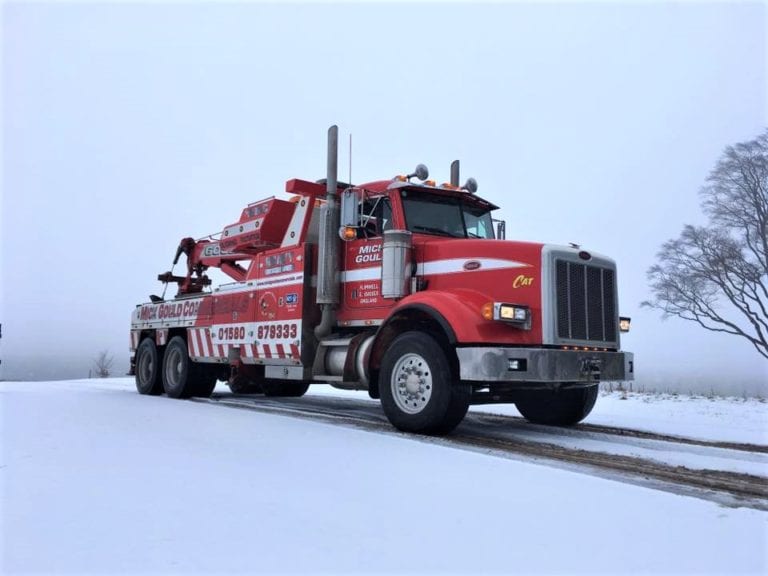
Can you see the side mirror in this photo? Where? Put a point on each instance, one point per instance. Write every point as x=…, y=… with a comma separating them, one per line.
x=350, y=208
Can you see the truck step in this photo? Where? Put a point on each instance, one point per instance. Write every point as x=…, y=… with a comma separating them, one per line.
x=336, y=342
x=328, y=378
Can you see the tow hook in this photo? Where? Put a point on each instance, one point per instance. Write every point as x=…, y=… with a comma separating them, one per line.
x=590, y=368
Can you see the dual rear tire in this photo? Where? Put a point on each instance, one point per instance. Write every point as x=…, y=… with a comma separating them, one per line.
x=149, y=361
x=172, y=371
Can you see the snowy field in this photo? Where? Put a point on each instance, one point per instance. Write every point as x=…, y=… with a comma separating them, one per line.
x=97, y=479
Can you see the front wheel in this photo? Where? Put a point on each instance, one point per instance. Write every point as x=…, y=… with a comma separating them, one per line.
x=419, y=389
x=558, y=407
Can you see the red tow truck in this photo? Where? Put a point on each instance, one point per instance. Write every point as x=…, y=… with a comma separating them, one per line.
x=401, y=287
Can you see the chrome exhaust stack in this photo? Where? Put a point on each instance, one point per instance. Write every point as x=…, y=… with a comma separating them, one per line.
x=328, y=249
x=455, y=173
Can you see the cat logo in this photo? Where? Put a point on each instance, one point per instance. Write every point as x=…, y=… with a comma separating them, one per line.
x=522, y=281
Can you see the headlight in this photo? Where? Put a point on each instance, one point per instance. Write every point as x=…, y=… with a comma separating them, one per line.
x=512, y=313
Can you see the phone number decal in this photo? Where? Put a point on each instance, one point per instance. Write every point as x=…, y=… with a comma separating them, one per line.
x=277, y=331
x=285, y=332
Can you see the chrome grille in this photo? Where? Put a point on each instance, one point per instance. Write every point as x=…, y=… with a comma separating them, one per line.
x=586, y=308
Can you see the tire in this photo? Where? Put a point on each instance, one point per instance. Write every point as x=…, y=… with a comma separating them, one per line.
x=419, y=388
x=183, y=378
x=284, y=388
x=559, y=407
x=205, y=381
x=242, y=385
x=149, y=361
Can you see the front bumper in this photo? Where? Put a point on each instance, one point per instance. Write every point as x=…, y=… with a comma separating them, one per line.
x=494, y=364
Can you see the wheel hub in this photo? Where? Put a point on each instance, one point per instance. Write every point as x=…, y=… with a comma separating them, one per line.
x=411, y=383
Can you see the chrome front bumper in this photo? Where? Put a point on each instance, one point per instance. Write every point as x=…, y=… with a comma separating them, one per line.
x=492, y=364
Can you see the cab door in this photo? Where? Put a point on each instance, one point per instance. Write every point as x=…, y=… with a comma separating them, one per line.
x=361, y=275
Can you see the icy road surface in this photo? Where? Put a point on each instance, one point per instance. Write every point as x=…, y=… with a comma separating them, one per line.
x=96, y=478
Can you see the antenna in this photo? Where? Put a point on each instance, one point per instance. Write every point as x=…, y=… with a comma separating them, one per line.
x=350, y=159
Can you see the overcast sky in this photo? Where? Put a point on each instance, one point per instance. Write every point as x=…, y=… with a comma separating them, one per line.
x=129, y=126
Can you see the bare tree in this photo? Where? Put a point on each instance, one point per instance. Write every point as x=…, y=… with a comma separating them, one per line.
x=103, y=364
x=717, y=275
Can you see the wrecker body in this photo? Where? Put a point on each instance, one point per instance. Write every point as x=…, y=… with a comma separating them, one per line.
x=402, y=288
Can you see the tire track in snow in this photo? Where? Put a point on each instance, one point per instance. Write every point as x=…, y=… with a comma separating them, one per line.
x=504, y=436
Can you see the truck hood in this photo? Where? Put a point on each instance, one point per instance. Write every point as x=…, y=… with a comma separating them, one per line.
x=441, y=256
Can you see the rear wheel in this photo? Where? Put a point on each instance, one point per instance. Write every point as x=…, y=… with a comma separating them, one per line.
x=183, y=378
x=284, y=388
x=148, y=368
x=419, y=388
x=241, y=385
x=558, y=407
x=205, y=381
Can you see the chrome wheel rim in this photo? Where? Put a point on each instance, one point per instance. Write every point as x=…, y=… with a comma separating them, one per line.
x=411, y=383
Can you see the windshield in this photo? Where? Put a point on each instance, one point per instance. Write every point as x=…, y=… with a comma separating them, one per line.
x=446, y=216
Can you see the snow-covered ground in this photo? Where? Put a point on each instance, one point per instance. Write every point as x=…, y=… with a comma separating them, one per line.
x=715, y=419
x=96, y=478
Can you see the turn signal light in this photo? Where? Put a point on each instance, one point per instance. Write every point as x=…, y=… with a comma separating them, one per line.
x=348, y=233
x=487, y=310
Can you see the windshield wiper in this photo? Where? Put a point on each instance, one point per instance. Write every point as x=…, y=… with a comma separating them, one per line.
x=433, y=230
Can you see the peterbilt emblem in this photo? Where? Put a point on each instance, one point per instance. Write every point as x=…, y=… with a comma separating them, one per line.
x=472, y=265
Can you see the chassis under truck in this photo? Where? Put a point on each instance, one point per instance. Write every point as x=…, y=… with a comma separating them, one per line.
x=400, y=287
